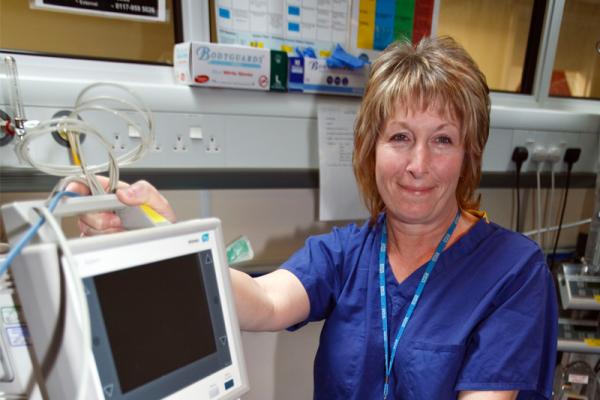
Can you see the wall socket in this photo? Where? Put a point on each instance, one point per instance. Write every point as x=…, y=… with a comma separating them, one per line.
x=180, y=144
x=118, y=145
x=212, y=146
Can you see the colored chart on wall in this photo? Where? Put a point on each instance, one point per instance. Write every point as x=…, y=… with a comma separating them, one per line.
x=377, y=23
x=283, y=24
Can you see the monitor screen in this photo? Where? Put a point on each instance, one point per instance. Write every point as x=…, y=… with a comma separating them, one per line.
x=157, y=327
x=167, y=299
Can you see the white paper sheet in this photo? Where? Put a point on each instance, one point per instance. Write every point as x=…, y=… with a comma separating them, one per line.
x=338, y=194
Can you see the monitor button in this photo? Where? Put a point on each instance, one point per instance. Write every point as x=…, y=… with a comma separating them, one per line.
x=213, y=391
x=109, y=389
x=229, y=384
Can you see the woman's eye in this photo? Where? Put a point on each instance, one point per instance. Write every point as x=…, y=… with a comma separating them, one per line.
x=399, y=137
x=443, y=140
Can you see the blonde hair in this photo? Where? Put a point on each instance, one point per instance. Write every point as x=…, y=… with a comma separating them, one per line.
x=436, y=73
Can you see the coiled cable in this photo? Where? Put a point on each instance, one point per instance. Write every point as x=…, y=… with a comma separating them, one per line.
x=75, y=128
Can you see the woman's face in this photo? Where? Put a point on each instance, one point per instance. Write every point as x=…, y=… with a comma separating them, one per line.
x=418, y=161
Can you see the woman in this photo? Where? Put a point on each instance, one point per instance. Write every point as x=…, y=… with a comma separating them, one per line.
x=427, y=299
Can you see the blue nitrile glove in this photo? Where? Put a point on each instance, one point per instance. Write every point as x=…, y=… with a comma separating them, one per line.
x=340, y=58
x=307, y=52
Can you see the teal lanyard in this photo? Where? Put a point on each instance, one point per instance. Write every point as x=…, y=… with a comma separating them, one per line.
x=389, y=359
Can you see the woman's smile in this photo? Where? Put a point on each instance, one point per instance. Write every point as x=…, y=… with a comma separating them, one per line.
x=418, y=191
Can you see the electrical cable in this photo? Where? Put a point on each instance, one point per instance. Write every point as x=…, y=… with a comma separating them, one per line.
x=553, y=157
x=73, y=283
x=519, y=156
x=549, y=204
x=538, y=208
x=26, y=238
x=571, y=157
x=518, y=205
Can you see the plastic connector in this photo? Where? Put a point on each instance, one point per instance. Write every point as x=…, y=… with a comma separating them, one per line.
x=519, y=156
x=539, y=154
x=553, y=154
x=572, y=156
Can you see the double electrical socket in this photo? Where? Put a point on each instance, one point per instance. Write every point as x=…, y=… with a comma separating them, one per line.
x=541, y=152
x=211, y=145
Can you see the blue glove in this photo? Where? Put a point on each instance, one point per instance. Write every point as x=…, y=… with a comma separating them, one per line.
x=307, y=52
x=340, y=58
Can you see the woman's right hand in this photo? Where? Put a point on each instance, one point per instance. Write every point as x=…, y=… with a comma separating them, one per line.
x=138, y=193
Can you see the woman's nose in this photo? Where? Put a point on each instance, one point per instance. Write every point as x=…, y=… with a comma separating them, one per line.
x=418, y=162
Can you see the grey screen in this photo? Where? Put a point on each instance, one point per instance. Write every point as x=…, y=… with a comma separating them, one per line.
x=156, y=317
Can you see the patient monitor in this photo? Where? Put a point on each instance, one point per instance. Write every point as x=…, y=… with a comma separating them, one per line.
x=163, y=322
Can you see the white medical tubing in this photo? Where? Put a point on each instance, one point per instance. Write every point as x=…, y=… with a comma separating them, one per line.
x=550, y=206
x=555, y=228
x=538, y=196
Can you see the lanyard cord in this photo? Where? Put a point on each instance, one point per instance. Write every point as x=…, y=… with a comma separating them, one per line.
x=389, y=359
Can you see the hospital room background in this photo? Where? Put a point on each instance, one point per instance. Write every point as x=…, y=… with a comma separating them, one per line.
x=255, y=158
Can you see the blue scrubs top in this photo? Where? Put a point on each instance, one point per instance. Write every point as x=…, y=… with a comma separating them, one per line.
x=487, y=319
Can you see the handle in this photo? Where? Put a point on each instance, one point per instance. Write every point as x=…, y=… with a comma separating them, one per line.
x=132, y=217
